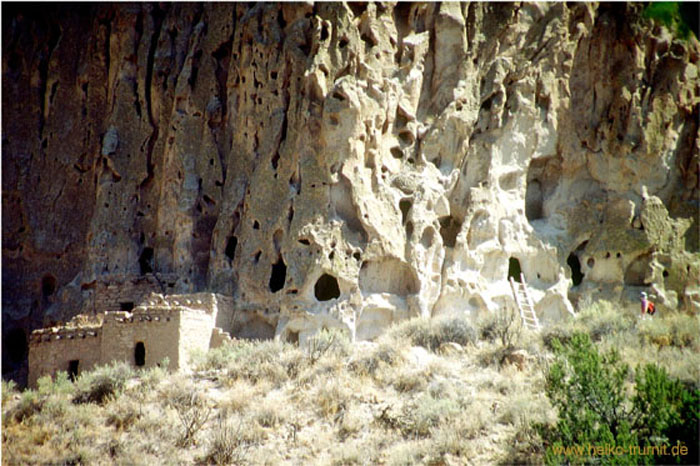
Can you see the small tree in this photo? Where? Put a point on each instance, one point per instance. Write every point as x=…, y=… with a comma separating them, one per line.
x=589, y=390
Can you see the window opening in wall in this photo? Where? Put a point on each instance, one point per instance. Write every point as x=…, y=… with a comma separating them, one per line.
x=326, y=288
x=146, y=261
x=278, y=275
x=514, y=269
x=575, y=267
x=126, y=306
x=73, y=369
x=140, y=354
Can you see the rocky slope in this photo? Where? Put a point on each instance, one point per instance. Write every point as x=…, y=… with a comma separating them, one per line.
x=346, y=164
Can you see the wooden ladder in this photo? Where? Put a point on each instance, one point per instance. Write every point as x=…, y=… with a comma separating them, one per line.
x=524, y=303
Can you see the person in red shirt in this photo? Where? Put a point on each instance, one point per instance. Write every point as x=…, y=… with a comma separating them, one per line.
x=647, y=306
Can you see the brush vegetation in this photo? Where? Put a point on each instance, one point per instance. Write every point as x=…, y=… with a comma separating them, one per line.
x=441, y=391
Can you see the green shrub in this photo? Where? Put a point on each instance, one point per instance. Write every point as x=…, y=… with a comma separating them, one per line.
x=382, y=356
x=192, y=410
x=9, y=389
x=60, y=384
x=333, y=341
x=603, y=319
x=123, y=414
x=505, y=327
x=271, y=360
x=589, y=390
x=426, y=413
x=669, y=413
x=668, y=14
x=103, y=383
x=29, y=404
x=229, y=444
x=431, y=333
x=673, y=329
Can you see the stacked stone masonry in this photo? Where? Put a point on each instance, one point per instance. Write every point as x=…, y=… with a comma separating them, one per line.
x=159, y=328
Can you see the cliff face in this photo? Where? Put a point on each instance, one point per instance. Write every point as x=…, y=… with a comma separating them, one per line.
x=346, y=164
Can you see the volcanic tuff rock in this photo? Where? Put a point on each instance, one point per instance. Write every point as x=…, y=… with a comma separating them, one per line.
x=346, y=164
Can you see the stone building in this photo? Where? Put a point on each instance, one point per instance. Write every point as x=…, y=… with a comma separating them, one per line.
x=159, y=327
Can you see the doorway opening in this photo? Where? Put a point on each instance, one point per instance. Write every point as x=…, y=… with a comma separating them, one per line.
x=140, y=354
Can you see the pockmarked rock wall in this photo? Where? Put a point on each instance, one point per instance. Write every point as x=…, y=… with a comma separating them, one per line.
x=346, y=165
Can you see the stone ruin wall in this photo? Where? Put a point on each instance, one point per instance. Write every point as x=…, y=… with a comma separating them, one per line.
x=51, y=351
x=115, y=292
x=347, y=164
x=169, y=327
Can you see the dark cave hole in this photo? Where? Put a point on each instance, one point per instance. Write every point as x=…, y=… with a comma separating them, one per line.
x=449, y=229
x=48, y=285
x=278, y=275
x=146, y=261
x=514, y=269
x=575, y=267
x=16, y=345
x=140, y=354
x=292, y=337
x=230, y=250
x=326, y=288
x=404, y=206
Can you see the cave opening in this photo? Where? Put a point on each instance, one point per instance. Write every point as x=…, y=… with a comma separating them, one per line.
x=449, y=229
x=230, y=250
x=16, y=345
x=48, y=285
x=514, y=270
x=278, y=275
x=292, y=337
x=146, y=261
x=404, y=206
x=575, y=266
x=637, y=273
x=326, y=288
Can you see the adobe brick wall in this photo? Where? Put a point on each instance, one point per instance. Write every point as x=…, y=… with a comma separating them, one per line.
x=158, y=328
x=195, y=335
x=218, y=338
x=51, y=351
x=170, y=326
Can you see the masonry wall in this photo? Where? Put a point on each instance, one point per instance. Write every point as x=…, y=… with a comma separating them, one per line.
x=195, y=334
x=157, y=328
x=113, y=291
x=50, y=352
x=168, y=326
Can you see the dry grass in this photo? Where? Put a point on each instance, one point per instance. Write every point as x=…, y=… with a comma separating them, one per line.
x=332, y=403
